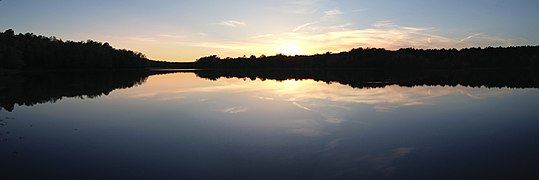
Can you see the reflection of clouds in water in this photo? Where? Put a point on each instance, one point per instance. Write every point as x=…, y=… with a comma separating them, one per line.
x=158, y=96
x=382, y=99
x=379, y=161
x=264, y=98
x=338, y=96
x=331, y=102
x=234, y=110
x=204, y=100
x=171, y=98
x=402, y=151
x=303, y=91
x=389, y=107
x=327, y=117
x=384, y=162
x=383, y=108
x=304, y=127
x=333, y=144
x=301, y=106
x=306, y=131
x=332, y=119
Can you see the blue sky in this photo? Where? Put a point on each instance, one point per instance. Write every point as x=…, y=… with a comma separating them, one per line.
x=185, y=30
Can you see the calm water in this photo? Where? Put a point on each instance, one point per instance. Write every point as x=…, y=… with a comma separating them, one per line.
x=178, y=125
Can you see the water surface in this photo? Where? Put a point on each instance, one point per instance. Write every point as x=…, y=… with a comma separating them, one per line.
x=178, y=125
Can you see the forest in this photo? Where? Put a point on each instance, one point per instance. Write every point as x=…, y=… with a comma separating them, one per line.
x=377, y=58
x=29, y=51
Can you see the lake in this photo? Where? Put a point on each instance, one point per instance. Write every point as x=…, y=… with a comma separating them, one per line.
x=192, y=125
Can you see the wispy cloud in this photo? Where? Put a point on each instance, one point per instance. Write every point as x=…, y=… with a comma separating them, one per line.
x=386, y=34
x=334, y=12
x=322, y=36
x=142, y=39
x=262, y=36
x=172, y=36
x=383, y=23
x=341, y=26
x=301, y=6
x=303, y=26
x=359, y=10
x=343, y=38
x=232, y=23
x=470, y=37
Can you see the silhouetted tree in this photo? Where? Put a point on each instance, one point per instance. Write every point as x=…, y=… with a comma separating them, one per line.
x=20, y=51
x=402, y=59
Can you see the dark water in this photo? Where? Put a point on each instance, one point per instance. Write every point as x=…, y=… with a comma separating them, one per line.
x=180, y=126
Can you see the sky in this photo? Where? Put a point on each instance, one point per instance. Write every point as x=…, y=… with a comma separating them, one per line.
x=189, y=29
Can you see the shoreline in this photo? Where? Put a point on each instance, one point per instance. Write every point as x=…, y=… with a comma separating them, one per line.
x=3, y=70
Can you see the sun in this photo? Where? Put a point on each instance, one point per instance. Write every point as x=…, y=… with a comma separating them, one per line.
x=290, y=48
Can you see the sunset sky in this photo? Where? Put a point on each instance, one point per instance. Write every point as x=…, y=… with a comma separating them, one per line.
x=188, y=29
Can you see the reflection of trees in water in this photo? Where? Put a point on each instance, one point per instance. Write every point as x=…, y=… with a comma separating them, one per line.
x=35, y=88
x=3, y=124
x=379, y=78
x=5, y=134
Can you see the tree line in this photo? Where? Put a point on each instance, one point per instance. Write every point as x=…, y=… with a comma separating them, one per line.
x=29, y=51
x=377, y=58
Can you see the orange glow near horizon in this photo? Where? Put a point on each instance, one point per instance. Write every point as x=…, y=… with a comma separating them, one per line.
x=306, y=39
x=384, y=34
x=290, y=48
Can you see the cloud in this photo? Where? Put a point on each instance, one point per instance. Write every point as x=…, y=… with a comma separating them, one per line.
x=341, y=26
x=301, y=6
x=470, y=37
x=359, y=10
x=172, y=36
x=303, y=26
x=323, y=37
x=333, y=12
x=262, y=36
x=384, y=23
x=386, y=34
x=232, y=23
x=142, y=39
